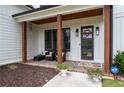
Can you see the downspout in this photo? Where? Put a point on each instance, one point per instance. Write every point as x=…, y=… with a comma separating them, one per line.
x=111, y=36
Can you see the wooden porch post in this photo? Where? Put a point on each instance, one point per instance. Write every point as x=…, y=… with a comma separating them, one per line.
x=24, y=42
x=106, y=12
x=59, y=39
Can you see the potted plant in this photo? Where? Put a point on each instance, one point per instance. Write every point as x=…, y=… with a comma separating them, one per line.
x=119, y=62
x=63, y=68
x=94, y=74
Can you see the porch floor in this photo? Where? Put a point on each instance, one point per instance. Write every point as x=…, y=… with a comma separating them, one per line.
x=73, y=65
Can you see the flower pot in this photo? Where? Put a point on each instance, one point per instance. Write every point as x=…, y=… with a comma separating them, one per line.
x=64, y=72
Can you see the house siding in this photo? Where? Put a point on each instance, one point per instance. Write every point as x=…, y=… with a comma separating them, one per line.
x=118, y=28
x=32, y=41
x=10, y=35
x=75, y=51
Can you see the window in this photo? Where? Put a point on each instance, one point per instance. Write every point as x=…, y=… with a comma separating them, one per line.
x=66, y=38
x=54, y=44
x=48, y=43
x=51, y=39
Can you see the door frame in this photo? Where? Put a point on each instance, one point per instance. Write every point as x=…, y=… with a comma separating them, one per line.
x=91, y=26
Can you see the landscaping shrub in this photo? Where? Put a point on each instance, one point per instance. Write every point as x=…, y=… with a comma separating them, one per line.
x=62, y=66
x=94, y=72
x=119, y=61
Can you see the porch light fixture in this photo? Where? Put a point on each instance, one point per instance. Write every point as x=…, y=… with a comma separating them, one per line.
x=97, y=31
x=77, y=32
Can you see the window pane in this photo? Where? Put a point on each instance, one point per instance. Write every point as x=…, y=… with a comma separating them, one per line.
x=48, y=40
x=54, y=39
x=51, y=39
x=66, y=38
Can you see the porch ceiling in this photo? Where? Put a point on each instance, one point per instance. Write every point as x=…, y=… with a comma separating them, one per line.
x=66, y=11
x=83, y=14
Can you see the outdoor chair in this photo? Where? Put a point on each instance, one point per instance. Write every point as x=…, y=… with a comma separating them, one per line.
x=63, y=56
x=50, y=56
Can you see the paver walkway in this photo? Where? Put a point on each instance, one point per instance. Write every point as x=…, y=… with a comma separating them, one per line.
x=74, y=79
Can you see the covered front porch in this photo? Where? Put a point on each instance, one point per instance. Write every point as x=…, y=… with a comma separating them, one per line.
x=79, y=20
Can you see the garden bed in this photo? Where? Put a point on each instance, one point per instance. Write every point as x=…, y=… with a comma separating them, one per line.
x=20, y=75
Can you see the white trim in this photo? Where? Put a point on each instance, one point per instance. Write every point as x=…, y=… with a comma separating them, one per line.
x=47, y=13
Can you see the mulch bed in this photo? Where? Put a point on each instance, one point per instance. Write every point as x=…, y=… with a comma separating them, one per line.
x=25, y=76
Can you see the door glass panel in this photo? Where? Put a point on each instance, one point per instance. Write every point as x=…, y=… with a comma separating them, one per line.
x=87, y=42
x=54, y=39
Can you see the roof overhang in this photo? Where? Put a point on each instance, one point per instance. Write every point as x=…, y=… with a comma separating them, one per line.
x=52, y=12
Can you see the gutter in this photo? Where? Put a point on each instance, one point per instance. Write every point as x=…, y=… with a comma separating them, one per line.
x=111, y=36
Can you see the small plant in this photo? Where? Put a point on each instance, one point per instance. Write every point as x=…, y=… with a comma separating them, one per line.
x=62, y=66
x=12, y=66
x=119, y=61
x=94, y=73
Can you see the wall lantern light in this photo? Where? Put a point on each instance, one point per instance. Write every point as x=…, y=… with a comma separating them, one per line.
x=77, y=32
x=97, y=31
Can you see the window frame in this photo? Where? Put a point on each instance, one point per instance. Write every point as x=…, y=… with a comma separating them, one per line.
x=47, y=40
x=56, y=39
x=70, y=38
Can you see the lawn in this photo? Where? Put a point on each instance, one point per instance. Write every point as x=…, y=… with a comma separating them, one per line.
x=112, y=83
x=20, y=75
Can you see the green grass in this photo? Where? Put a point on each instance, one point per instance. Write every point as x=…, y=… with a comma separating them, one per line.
x=112, y=83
